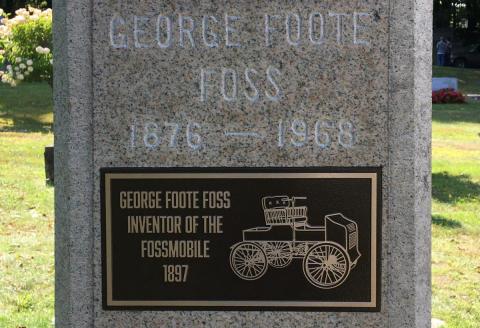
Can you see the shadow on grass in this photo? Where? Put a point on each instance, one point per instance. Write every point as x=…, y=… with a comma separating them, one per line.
x=445, y=222
x=24, y=124
x=448, y=188
x=26, y=108
x=453, y=113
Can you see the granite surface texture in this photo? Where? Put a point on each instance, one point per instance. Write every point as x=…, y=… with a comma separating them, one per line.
x=114, y=92
x=73, y=161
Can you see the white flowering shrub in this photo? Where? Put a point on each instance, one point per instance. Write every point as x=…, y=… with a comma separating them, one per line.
x=25, y=43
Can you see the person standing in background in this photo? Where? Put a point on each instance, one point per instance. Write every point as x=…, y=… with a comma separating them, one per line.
x=448, y=54
x=442, y=47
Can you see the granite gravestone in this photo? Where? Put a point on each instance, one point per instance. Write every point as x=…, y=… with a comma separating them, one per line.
x=242, y=164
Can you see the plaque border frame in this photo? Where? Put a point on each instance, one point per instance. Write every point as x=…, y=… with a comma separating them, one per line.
x=374, y=173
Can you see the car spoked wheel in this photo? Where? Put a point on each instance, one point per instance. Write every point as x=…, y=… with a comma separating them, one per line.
x=248, y=261
x=326, y=265
x=279, y=253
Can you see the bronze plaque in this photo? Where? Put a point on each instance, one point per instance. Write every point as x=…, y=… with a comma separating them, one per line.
x=249, y=239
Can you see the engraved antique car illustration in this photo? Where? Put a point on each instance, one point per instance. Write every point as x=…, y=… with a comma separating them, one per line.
x=329, y=251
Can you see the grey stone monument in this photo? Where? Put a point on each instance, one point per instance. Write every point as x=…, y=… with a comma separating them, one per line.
x=243, y=84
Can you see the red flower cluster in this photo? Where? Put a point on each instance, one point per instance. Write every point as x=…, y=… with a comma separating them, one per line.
x=447, y=96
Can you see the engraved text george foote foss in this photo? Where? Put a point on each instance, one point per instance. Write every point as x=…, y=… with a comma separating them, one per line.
x=242, y=164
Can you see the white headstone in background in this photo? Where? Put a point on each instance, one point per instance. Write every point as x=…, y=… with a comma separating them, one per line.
x=439, y=83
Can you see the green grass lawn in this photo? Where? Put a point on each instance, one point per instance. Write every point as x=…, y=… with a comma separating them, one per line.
x=468, y=79
x=26, y=210
x=456, y=214
x=27, y=108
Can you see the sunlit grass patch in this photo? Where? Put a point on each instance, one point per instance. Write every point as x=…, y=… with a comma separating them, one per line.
x=456, y=215
x=26, y=232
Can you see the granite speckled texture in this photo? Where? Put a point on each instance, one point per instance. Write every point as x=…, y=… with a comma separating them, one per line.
x=382, y=88
x=73, y=161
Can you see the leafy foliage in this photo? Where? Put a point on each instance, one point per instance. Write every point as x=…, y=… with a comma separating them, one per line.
x=25, y=43
x=11, y=5
x=463, y=16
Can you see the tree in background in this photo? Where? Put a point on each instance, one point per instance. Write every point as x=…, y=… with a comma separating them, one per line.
x=9, y=6
x=461, y=16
